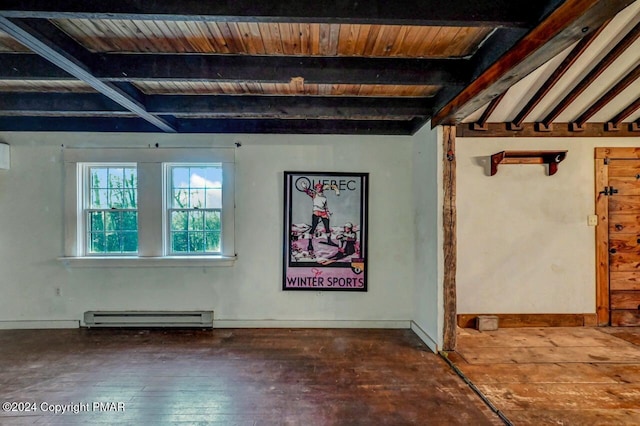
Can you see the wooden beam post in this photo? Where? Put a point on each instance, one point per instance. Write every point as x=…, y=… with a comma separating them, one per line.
x=449, y=222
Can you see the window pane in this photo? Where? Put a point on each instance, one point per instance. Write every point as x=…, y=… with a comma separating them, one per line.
x=179, y=221
x=212, y=221
x=98, y=177
x=113, y=221
x=97, y=221
x=130, y=221
x=129, y=242
x=130, y=177
x=212, y=242
x=113, y=242
x=213, y=176
x=196, y=241
x=116, y=177
x=97, y=243
x=196, y=198
x=99, y=199
x=116, y=199
x=180, y=177
x=214, y=198
x=130, y=199
x=179, y=242
x=196, y=221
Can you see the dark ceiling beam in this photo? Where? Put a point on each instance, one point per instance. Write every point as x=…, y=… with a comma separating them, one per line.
x=274, y=69
x=472, y=13
x=265, y=69
x=557, y=74
x=614, y=123
x=26, y=103
x=40, y=45
x=611, y=94
x=595, y=72
x=570, y=21
x=101, y=124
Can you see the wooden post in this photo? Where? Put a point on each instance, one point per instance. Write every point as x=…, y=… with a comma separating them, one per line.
x=449, y=223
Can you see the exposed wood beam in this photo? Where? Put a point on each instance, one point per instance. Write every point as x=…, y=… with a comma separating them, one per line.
x=274, y=69
x=27, y=103
x=490, y=13
x=530, y=130
x=482, y=121
x=54, y=54
x=614, y=123
x=101, y=124
x=569, y=22
x=557, y=74
x=612, y=93
x=449, y=216
x=266, y=69
x=595, y=72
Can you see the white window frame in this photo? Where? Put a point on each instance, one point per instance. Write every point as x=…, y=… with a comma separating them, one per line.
x=83, y=206
x=168, y=194
x=152, y=213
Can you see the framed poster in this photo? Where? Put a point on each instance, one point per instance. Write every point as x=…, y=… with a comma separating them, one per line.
x=325, y=231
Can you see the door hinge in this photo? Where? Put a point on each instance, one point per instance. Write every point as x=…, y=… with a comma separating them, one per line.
x=606, y=161
x=609, y=190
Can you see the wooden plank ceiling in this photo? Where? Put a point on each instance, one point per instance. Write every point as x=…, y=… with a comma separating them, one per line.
x=273, y=66
x=592, y=88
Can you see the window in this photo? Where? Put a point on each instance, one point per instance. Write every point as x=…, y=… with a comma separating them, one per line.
x=195, y=208
x=158, y=206
x=111, y=209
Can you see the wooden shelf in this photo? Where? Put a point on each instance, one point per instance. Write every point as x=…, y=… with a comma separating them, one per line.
x=552, y=158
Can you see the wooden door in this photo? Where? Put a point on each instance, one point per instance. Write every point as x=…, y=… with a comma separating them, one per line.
x=618, y=205
x=624, y=241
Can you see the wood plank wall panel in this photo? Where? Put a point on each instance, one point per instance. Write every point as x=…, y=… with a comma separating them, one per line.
x=63, y=86
x=273, y=38
x=295, y=87
x=8, y=44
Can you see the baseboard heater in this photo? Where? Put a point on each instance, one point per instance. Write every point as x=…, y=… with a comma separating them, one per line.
x=181, y=319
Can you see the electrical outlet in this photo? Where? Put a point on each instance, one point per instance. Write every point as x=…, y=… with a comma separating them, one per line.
x=58, y=292
x=592, y=220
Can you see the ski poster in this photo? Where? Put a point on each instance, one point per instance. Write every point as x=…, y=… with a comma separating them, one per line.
x=325, y=231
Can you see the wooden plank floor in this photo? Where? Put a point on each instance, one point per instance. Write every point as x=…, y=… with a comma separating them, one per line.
x=233, y=377
x=556, y=376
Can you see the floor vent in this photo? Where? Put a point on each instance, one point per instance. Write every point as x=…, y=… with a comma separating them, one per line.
x=198, y=319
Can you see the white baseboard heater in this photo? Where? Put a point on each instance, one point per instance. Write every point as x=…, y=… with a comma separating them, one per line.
x=183, y=319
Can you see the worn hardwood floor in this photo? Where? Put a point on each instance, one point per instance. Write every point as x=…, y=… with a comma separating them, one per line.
x=232, y=377
x=556, y=376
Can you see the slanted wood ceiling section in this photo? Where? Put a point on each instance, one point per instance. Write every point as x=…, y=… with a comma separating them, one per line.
x=274, y=38
x=592, y=87
x=45, y=86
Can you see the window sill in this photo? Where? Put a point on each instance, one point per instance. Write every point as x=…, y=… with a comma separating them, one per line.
x=141, y=262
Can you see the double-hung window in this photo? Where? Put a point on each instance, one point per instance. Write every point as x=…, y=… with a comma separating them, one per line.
x=110, y=208
x=195, y=208
x=165, y=207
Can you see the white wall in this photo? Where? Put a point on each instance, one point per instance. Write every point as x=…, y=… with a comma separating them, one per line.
x=31, y=237
x=427, y=193
x=523, y=241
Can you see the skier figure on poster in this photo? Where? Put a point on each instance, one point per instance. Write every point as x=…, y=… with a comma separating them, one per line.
x=347, y=238
x=320, y=211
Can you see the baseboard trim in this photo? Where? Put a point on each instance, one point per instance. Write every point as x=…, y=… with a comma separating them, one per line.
x=397, y=324
x=38, y=324
x=424, y=336
x=532, y=320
